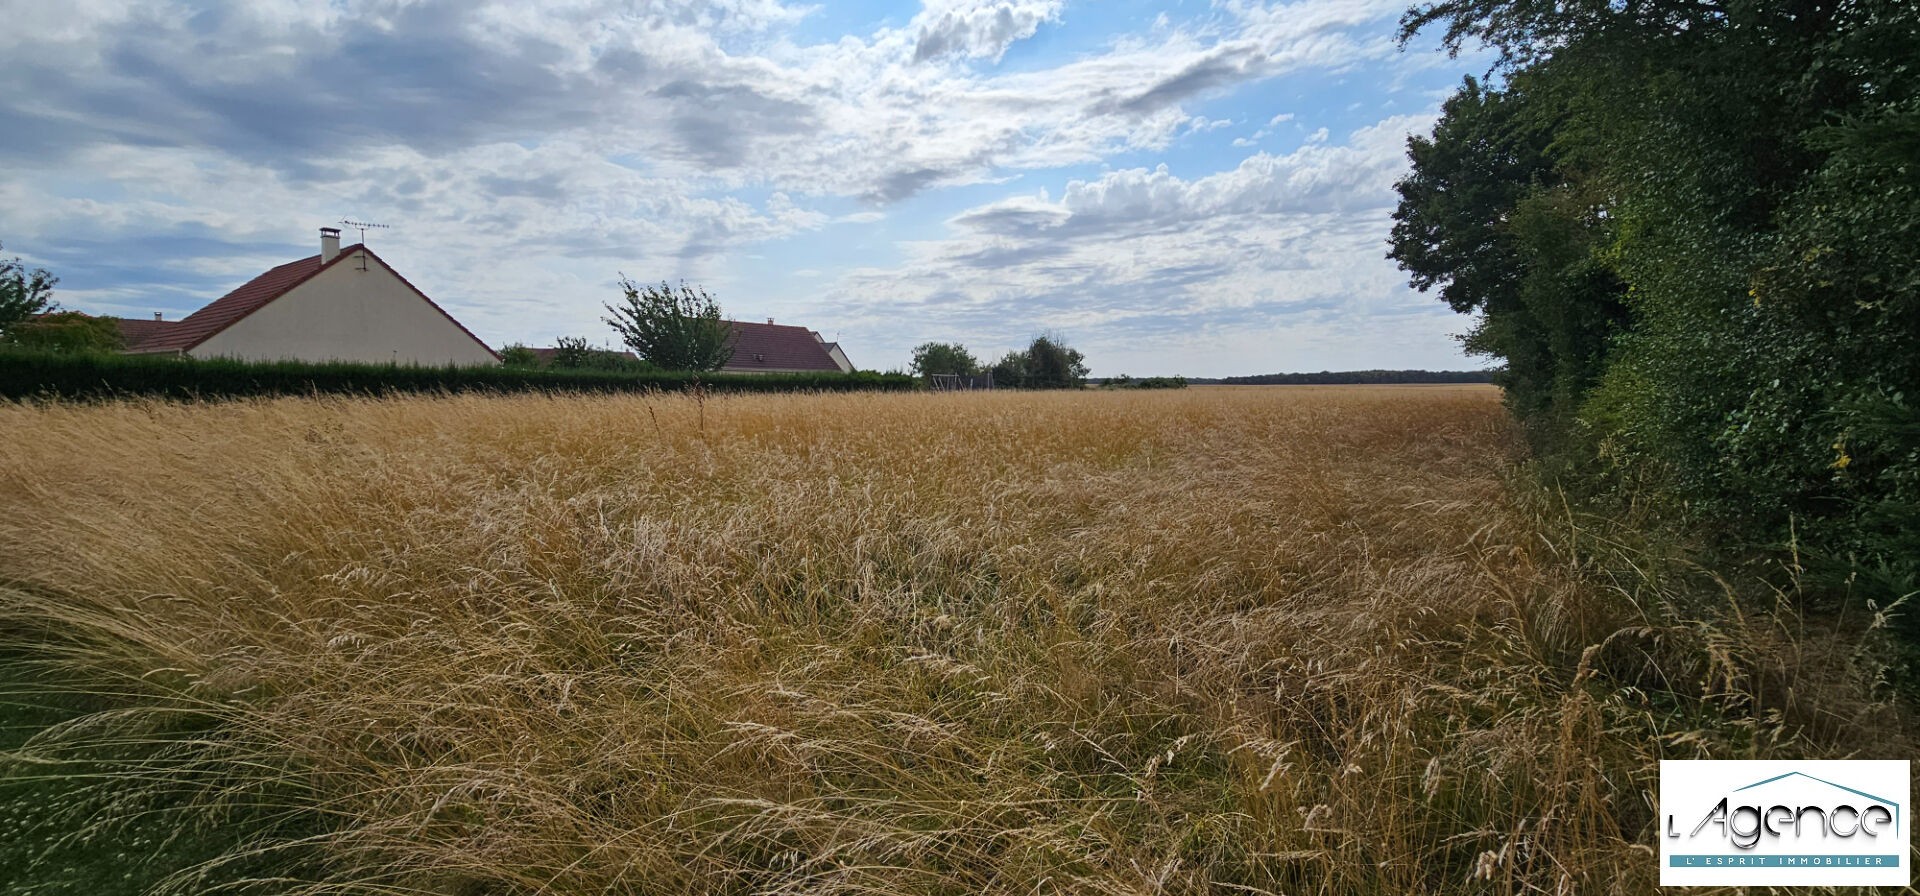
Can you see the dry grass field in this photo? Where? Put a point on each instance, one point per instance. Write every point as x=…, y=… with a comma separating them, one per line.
x=1254, y=640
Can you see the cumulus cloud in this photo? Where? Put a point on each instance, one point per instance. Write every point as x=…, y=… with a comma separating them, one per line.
x=295, y=85
x=1263, y=133
x=1317, y=178
x=1144, y=264
x=973, y=29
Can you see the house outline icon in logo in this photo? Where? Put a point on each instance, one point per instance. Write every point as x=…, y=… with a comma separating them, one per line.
x=1897, y=807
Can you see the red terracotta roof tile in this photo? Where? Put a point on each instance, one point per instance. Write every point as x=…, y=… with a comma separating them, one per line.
x=771, y=347
x=135, y=331
x=201, y=325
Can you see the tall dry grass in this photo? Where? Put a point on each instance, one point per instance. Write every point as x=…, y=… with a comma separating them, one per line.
x=1301, y=641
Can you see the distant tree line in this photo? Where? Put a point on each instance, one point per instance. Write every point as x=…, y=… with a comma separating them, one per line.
x=1691, y=232
x=1361, y=377
x=1046, y=363
x=1123, y=381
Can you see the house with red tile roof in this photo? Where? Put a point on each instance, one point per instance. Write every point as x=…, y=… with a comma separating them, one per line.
x=341, y=305
x=780, y=348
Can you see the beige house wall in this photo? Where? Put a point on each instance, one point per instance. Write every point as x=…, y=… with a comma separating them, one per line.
x=839, y=357
x=347, y=314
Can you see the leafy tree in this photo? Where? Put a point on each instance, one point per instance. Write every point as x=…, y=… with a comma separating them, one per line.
x=931, y=358
x=572, y=353
x=66, y=331
x=518, y=355
x=1010, y=372
x=1051, y=364
x=672, y=329
x=1047, y=363
x=1450, y=230
x=23, y=293
x=1505, y=230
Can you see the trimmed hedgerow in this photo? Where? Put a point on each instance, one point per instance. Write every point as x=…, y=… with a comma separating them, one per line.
x=28, y=375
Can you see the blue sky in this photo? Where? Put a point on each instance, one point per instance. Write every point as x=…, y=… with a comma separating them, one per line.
x=1174, y=187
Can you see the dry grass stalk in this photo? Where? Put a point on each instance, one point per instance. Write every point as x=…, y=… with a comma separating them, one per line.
x=1299, y=641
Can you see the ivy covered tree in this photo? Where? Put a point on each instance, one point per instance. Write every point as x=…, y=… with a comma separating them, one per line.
x=672, y=329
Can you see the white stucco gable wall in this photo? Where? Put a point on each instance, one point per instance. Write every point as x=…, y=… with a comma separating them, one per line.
x=344, y=313
x=839, y=357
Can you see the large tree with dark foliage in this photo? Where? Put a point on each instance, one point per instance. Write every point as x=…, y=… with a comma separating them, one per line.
x=1689, y=228
x=1046, y=363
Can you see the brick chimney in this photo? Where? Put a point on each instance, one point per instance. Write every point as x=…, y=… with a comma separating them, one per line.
x=329, y=244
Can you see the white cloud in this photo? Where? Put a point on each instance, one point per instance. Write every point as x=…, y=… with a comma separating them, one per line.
x=973, y=29
x=710, y=92
x=1263, y=133
x=1144, y=264
x=669, y=138
x=1358, y=174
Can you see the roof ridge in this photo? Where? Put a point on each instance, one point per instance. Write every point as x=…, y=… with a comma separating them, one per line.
x=220, y=314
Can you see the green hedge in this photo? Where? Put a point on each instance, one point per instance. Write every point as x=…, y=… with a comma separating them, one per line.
x=1690, y=236
x=31, y=375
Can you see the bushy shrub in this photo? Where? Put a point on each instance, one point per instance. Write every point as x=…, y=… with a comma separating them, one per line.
x=65, y=331
x=517, y=355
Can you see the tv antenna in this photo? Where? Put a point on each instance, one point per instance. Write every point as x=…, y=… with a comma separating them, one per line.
x=363, y=227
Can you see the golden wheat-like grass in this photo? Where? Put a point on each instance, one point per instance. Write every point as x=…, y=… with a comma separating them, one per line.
x=1300, y=641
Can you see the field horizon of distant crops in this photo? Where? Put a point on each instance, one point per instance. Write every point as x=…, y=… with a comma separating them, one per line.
x=1303, y=640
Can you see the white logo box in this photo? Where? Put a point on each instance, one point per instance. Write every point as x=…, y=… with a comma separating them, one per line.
x=1785, y=823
